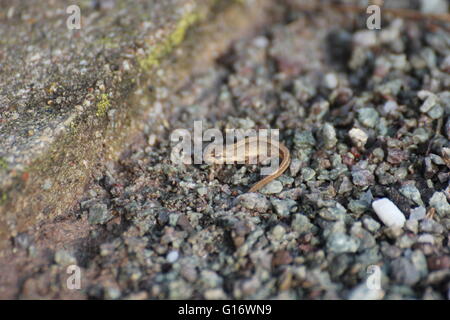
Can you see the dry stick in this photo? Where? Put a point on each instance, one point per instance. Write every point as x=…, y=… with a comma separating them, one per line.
x=403, y=13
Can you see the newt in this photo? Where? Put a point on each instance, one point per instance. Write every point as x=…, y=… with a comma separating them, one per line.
x=249, y=150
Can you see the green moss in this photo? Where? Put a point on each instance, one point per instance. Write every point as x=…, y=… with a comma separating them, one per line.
x=3, y=198
x=103, y=105
x=3, y=164
x=174, y=39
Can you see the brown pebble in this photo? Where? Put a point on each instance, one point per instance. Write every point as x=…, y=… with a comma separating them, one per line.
x=439, y=262
x=396, y=156
x=281, y=257
x=286, y=281
x=184, y=223
x=238, y=240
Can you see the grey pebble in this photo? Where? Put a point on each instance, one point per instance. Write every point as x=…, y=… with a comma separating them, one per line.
x=412, y=225
x=333, y=213
x=295, y=166
x=65, y=258
x=254, y=201
x=404, y=272
x=341, y=243
x=429, y=103
x=368, y=117
x=308, y=174
x=273, y=187
x=417, y=213
x=302, y=224
x=431, y=226
x=411, y=192
x=283, y=207
x=440, y=203
x=210, y=279
x=329, y=136
x=202, y=191
x=426, y=238
x=99, y=214
x=278, y=232
x=371, y=224
x=362, y=178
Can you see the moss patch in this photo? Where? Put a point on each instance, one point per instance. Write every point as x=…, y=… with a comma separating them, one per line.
x=3, y=164
x=103, y=105
x=3, y=198
x=174, y=39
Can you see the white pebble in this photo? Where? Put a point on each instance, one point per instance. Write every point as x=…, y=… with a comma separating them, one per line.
x=388, y=212
x=172, y=256
x=261, y=42
x=358, y=137
x=331, y=81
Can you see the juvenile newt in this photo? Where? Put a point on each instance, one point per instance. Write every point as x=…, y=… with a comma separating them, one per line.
x=249, y=150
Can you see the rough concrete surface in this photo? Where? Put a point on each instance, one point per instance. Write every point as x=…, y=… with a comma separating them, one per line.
x=65, y=95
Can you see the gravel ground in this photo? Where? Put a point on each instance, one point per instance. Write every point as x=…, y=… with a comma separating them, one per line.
x=365, y=116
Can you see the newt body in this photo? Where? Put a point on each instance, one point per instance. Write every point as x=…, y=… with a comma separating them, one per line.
x=251, y=150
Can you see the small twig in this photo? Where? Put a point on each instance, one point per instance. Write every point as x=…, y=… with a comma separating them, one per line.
x=430, y=214
x=398, y=12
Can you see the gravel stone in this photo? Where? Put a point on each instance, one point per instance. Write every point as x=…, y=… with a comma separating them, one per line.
x=412, y=225
x=302, y=224
x=430, y=101
x=417, y=213
x=358, y=137
x=329, y=136
x=215, y=294
x=362, y=177
x=172, y=256
x=405, y=272
x=278, y=232
x=368, y=117
x=65, y=258
x=99, y=214
x=334, y=213
x=272, y=187
x=308, y=174
x=371, y=224
x=295, y=167
x=440, y=203
x=342, y=243
x=283, y=207
x=411, y=192
x=254, y=201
